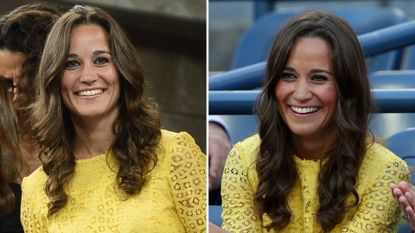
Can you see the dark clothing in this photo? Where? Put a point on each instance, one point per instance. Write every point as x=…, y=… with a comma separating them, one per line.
x=10, y=222
x=214, y=197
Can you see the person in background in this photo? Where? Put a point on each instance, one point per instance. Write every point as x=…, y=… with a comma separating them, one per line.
x=106, y=163
x=314, y=166
x=23, y=34
x=21, y=45
x=10, y=164
x=219, y=147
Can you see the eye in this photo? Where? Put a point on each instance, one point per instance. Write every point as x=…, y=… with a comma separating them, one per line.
x=71, y=64
x=8, y=83
x=101, y=61
x=319, y=78
x=287, y=76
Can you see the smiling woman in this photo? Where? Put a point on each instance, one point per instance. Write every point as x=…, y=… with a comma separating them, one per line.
x=314, y=166
x=307, y=95
x=90, y=86
x=106, y=164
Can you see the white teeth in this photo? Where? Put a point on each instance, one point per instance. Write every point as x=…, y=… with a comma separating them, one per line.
x=304, y=110
x=90, y=92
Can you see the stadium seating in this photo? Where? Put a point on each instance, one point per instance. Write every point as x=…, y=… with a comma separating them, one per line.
x=256, y=43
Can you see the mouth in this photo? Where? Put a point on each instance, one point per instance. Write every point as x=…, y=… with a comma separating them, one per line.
x=304, y=110
x=92, y=92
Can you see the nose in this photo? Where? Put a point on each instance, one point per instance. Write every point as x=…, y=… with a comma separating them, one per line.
x=302, y=90
x=88, y=75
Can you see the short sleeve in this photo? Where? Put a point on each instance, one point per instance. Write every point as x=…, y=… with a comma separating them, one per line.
x=237, y=194
x=188, y=182
x=378, y=210
x=32, y=220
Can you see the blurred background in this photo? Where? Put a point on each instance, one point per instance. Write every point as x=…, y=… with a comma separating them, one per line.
x=170, y=37
x=229, y=20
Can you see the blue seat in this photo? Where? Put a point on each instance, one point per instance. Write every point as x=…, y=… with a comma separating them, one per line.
x=402, y=144
x=409, y=62
x=256, y=43
x=392, y=79
x=215, y=214
x=405, y=228
x=384, y=125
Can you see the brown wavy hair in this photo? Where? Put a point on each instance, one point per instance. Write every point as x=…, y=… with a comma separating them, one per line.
x=10, y=156
x=25, y=30
x=275, y=165
x=136, y=128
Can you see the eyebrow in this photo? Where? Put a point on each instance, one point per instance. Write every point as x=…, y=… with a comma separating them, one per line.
x=287, y=68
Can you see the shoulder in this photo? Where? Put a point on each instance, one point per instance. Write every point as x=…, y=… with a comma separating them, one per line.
x=171, y=141
x=379, y=161
x=170, y=137
x=247, y=150
x=179, y=148
x=380, y=155
x=34, y=182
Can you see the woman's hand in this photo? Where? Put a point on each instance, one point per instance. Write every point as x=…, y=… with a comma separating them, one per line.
x=405, y=195
x=215, y=229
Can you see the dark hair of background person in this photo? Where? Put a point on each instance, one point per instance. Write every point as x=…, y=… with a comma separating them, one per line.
x=275, y=164
x=10, y=156
x=25, y=30
x=136, y=128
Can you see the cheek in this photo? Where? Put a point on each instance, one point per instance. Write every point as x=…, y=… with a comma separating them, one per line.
x=280, y=92
x=112, y=76
x=65, y=81
x=330, y=96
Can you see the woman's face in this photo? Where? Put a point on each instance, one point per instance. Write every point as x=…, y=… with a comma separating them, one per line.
x=90, y=86
x=11, y=68
x=306, y=92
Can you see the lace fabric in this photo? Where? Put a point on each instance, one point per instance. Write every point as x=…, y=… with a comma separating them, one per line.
x=173, y=200
x=377, y=210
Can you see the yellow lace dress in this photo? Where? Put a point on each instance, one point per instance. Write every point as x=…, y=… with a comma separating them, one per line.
x=173, y=199
x=377, y=210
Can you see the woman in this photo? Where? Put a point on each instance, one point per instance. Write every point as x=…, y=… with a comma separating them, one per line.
x=21, y=46
x=106, y=165
x=313, y=167
x=10, y=165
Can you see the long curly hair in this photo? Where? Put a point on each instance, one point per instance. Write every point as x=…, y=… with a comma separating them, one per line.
x=136, y=128
x=275, y=165
x=25, y=30
x=10, y=156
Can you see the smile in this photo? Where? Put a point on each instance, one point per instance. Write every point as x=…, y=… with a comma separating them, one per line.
x=306, y=110
x=90, y=92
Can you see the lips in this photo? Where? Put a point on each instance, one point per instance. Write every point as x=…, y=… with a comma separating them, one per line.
x=304, y=110
x=91, y=92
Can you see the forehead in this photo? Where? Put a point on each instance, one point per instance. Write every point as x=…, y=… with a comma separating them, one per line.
x=313, y=43
x=312, y=51
x=89, y=36
x=10, y=62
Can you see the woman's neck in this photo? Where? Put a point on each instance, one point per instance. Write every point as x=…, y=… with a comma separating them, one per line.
x=314, y=148
x=92, y=138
